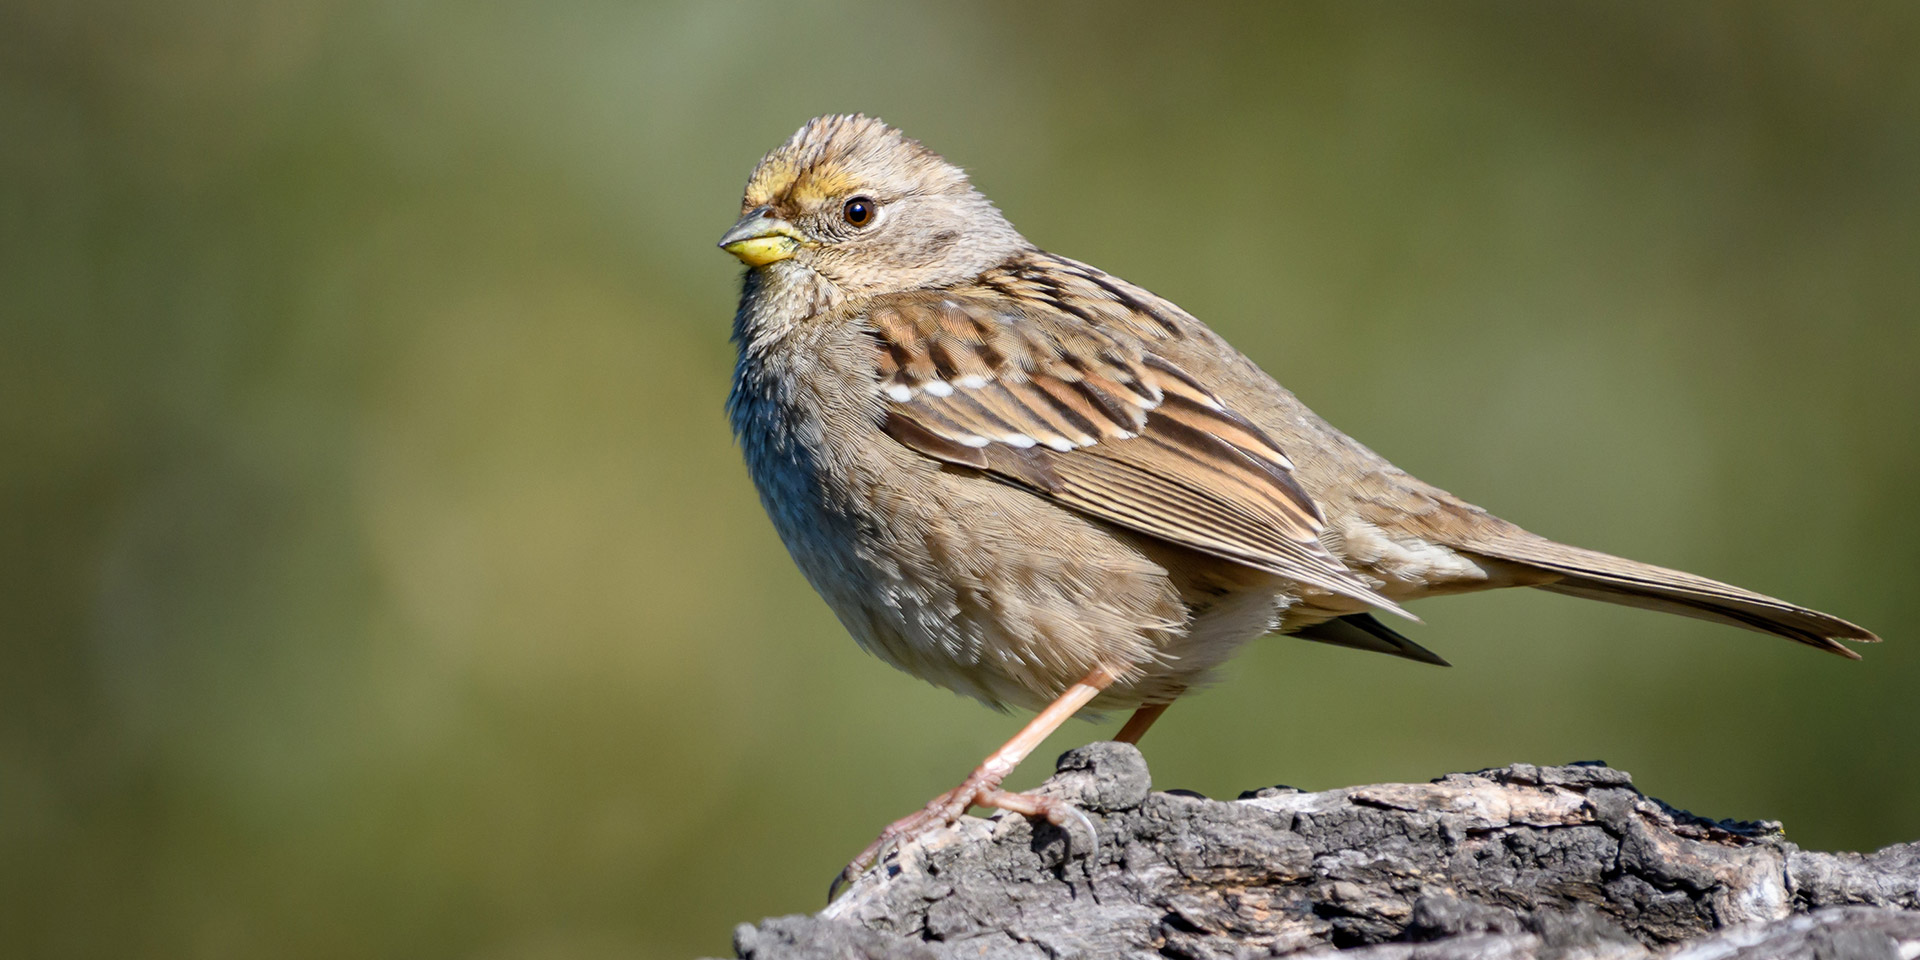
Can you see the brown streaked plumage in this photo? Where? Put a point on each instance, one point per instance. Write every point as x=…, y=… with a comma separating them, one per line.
x=1089, y=418
x=1034, y=483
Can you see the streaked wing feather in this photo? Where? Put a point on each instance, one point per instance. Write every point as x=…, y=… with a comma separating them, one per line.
x=1088, y=417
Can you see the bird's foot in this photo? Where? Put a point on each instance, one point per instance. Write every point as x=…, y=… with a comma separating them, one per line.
x=980, y=789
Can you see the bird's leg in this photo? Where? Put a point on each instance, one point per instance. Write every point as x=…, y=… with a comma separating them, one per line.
x=982, y=787
x=1136, y=725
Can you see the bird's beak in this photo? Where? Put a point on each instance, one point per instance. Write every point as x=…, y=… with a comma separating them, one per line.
x=761, y=238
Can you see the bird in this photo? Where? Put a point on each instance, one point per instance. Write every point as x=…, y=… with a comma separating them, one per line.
x=1029, y=481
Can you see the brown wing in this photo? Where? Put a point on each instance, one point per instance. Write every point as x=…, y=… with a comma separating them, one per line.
x=1086, y=416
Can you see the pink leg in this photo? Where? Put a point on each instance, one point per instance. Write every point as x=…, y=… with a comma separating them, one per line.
x=1136, y=725
x=982, y=787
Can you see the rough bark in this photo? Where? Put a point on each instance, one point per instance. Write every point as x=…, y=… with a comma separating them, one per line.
x=1566, y=863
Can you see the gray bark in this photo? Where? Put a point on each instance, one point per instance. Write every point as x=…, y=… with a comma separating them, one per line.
x=1567, y=863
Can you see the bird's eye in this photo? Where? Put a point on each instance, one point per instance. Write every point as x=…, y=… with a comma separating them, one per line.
x=859, y=211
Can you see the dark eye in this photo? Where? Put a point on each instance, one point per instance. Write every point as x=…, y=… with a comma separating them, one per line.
x=859, y=211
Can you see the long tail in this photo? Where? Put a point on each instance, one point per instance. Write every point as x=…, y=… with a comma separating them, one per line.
x=1601, y=576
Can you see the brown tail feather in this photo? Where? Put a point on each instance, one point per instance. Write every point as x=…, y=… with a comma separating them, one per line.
x=1601, y=576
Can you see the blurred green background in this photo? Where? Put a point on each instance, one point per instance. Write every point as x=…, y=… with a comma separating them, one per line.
x=378, y=578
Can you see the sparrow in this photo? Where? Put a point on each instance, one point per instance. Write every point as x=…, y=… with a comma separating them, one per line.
x=1029, y=481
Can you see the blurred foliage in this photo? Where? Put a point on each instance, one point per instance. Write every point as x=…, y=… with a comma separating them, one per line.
x=380, y=579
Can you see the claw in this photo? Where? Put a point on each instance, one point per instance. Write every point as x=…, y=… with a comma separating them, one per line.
x=982, y=788
x=1085, y=821
x=1056, y=811
x=979, y=790
x=943, y=810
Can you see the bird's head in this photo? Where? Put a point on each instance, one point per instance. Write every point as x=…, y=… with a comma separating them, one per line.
x=860, y=206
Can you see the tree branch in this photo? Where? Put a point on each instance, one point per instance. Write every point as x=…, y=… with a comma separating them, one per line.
x=1522, y=862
